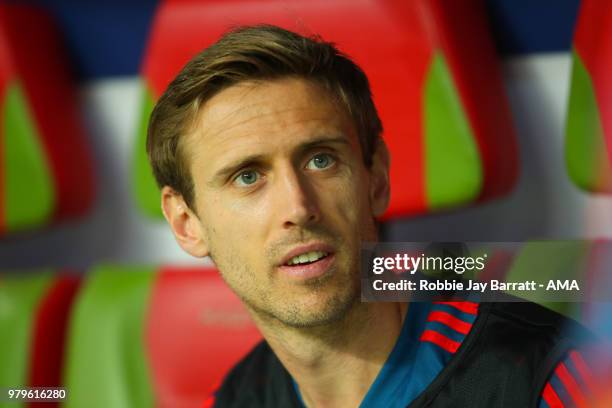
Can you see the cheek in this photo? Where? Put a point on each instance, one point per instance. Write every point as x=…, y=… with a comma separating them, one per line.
x=233, y=226
x=341, y=211
x=358, y=213
x=229, y=250
x=350, y=205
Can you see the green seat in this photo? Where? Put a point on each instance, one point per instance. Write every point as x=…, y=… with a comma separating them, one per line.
x=106, y=364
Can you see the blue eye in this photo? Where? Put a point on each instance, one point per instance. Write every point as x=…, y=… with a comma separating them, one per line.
x=320, y=162
x=247, y=177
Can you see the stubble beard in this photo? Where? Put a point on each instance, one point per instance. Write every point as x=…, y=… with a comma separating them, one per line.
x=337, y=302
x=338, y=296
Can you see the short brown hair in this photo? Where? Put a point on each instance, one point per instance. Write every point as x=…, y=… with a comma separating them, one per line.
x=262, y=52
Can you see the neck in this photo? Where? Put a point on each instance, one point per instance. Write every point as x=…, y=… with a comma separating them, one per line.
x=335, y=365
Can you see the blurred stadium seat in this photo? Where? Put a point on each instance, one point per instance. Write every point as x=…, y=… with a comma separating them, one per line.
x=34, y=310
x=433, y=71
x=143, y=337
x=45, y=165
x=552, y=260
x=589, y=118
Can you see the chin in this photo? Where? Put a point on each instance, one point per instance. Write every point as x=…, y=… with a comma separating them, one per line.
x=317, y=311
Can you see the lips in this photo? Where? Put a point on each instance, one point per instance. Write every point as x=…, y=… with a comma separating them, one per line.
x=305, y=249
x=308, y=269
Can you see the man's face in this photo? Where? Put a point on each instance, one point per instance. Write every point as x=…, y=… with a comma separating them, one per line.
x=283, y=198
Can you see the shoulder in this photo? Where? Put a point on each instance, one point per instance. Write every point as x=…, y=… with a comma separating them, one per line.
x=507, y=357
x=531, y=319
x=531, y=333
x=542, y=340
x=572, y=362
x=571, y=382
x=258, y=380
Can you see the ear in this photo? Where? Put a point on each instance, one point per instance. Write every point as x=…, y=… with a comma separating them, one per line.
x=184, y=222
x=380, y=190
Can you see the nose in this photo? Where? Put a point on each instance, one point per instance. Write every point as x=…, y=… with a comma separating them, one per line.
x=297, y=198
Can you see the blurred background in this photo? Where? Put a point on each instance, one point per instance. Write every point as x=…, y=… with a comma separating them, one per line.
x=498, y=114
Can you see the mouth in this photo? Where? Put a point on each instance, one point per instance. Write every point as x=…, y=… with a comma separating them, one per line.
x=307, y=262
x=307, y=258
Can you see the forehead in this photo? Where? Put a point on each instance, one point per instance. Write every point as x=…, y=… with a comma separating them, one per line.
x=268, y=104
x=265, y=116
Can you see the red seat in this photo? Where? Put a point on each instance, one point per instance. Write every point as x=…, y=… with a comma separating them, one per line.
x=197, y=330
x=45, y=165
x=589, y=118
x=153, y=337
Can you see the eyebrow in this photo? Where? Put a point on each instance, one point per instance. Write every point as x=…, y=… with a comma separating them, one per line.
x=255, y=159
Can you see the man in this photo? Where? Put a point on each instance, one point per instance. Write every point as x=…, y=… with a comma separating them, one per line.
x=268, y=150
